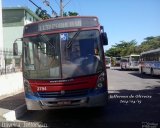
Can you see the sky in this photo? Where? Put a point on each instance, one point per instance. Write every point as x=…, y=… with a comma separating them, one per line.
x=123, y=20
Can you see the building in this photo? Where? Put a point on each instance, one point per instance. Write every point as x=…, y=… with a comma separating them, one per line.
x=14, y=19
x=1, y=33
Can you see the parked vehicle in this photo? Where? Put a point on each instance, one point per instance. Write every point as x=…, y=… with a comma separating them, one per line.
x=150, y=62
x=130, y=62
x=108, y=61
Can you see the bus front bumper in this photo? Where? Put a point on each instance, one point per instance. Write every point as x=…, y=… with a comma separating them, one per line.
x=35, y=103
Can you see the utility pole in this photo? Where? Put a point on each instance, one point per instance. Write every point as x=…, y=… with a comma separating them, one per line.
x=61, y=8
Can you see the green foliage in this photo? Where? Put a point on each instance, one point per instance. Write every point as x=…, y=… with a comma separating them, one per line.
x=150, y=43
x=125, y=48
x=42, y=13
x=70, y=14
x=122, y=49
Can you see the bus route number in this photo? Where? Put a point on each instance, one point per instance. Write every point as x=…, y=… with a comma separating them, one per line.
x=41, y=88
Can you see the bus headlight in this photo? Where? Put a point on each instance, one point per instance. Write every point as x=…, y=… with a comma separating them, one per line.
x=100, y=81
x=27, y=87
x=99, y=85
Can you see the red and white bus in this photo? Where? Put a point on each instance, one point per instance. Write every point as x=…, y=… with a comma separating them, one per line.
x=60, y=66
x=150, y=62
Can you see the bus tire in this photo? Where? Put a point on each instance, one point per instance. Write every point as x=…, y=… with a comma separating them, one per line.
x=141, y=71
x=126, y=67
x=152, y=72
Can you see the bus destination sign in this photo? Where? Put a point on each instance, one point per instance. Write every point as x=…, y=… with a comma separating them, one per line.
x=57, y=24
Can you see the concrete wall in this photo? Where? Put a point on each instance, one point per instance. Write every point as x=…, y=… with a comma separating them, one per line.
x=13, y=23
x=11, y=84
x=1, y=34
x=10, y=34
x=1, y=26
x=13, y=27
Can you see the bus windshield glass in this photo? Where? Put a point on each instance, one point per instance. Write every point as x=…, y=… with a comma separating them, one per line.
x=135, y=58
x=108, y=60
x=62, y=55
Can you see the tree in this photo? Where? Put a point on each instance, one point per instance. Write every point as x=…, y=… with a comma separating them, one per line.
x=112, y=52
x=42, y=13
x=150, y=43
x=70, y=13
x=122, y=49
x=125, y=48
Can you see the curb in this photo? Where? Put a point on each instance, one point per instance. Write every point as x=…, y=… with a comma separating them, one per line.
x=13, y=115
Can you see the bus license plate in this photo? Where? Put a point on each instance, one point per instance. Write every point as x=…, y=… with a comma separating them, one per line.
x=64, y=103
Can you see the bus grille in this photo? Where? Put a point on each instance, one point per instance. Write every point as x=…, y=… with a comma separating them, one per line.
x=67, y=93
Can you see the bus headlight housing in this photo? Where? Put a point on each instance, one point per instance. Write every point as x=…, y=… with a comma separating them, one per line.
x=99, y=85
x=100, y=81
x=27, y=87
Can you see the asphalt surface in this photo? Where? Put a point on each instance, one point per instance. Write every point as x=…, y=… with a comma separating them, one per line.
x=12, y=102
x=10, y=105
x=133, y=102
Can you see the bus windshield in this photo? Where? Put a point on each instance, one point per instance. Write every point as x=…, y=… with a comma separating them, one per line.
x=135, y=58
x=108, y=60
x=62, y=55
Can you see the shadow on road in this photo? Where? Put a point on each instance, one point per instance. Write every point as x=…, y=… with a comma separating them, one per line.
x=119, y=69
x=144, y=76
x=139, y=106
x=12, y=102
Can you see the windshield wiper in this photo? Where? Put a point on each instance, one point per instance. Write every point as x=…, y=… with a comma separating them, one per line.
x=50, y=47
x=45, y=39
x=69, y=43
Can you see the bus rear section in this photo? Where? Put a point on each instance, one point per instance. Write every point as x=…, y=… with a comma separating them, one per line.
x=134, y=62
x=124, y=63
x=150, y=62
x=130, y=62
x=60, y=66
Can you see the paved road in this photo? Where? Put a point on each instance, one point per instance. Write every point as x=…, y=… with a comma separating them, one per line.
x=133, y=102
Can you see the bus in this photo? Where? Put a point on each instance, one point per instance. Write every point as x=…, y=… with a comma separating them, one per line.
x=108, y=61
x=117, y=61
x=150, y=62
x=130, y=62
x=60, y=66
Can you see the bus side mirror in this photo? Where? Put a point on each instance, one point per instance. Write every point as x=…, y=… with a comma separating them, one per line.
x=15, y=47
x=104, y=38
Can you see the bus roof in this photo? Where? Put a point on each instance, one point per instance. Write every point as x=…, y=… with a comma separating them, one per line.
x=116, y=56
x=107, y=57
x=61, y=23
x=131, y=55
x=134, y=55
x=151, y=51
